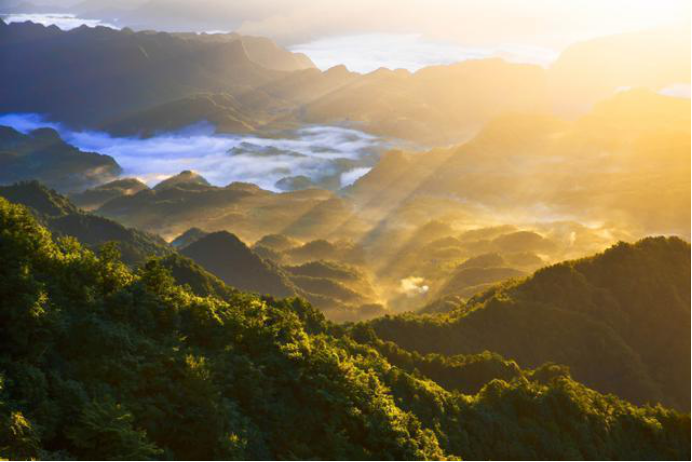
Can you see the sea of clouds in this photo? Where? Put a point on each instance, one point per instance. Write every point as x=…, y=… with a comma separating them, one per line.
x=362, y=52
x=329, y=156
x=63, y=20
x=368, y=52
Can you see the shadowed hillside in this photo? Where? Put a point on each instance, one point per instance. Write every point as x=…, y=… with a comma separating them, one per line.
x=620, y=320
x=224, y=255
x=59, y=215
x=42, y=155
x=161, y=372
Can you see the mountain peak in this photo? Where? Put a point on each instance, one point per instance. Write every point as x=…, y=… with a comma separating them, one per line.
x=185, y=179
x=226, y=256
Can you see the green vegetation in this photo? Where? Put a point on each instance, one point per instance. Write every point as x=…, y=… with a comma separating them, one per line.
x=62, y=218
x=620, y=320
x=100, y=362
x=226, y=256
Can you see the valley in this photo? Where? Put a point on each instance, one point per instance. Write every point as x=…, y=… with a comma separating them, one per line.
x=213, y=249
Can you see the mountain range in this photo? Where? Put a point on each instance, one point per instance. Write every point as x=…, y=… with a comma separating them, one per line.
x=506, y=276
x=164, y=372
x=250, y=84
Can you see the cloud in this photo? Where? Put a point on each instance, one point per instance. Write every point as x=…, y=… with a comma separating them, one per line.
x=349, y=177
x=678, y=90
x=368, y=52
x=63, y=21
x=316, y=152
x=413, y=286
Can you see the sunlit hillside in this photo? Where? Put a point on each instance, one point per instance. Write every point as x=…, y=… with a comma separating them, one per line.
x=300, y=230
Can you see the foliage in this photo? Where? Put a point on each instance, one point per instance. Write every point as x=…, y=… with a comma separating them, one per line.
x=98, y=361
x=620, y=320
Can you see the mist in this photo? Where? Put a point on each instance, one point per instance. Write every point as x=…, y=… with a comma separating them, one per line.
x=319, y=155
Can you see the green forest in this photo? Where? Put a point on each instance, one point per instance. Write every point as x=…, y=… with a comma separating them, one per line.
x=99, y=361
x=327, y=230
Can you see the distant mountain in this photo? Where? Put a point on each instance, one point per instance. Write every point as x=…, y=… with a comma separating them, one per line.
x=94, y=198
x=170, y=211
x=620, y=320
x=221, y=110
x=456, y=99
x=244, y=84
x=62, y=218
x=342, y=292
x=186, y=179
x=200, y=281
x=188, y=237
x=43, y=155
x=149, y=369
x=227, y=257
x=216, y=79
x=466, y=282
x=627, y=162
x=115, y=73
x=589, y=71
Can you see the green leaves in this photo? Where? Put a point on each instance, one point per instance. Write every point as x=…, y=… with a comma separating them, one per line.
x=99, y=362
x=104, y=430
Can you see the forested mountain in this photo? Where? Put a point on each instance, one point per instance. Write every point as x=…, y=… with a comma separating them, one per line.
x=619, y=320
x=141, y=82
x=62, y=218
x=469, y=257
x=226, y=256
x=43, y=155
x=114, y=73
x=93, y=198
x=342, y=292
x=99, y=362
x=176, y=205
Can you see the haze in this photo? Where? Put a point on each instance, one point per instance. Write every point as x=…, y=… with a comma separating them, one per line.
x=367, y=34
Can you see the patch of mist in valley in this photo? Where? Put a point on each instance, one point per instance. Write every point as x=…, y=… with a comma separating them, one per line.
x=64, y=21
x=323, y=156
x=368, y=52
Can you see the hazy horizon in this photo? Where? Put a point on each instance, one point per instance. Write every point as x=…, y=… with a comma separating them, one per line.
x=366, y=35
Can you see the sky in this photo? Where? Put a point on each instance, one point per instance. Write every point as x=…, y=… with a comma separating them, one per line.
x=545, y=23
x=367, y=34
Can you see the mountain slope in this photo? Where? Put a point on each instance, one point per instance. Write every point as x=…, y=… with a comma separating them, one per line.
x=95, y=353
x=59, y=215
x=42, y=155
x=662, y=58
x=115, y=73
x=619, y=320
x=93, y=198
x=628, y=159
x=227, y=257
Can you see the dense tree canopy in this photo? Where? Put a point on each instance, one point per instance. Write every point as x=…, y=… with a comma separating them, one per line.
x=620, y=320
x=99, y=362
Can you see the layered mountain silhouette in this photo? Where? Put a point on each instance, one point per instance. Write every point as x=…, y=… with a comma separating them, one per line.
x=226, y=256
x=662, y=58
x=59, y=215
x=244, y=84
x=149, y=367
x=116, y=73
x=620, y=320
x=93, y=198
x=628, y=159
x=44, y=156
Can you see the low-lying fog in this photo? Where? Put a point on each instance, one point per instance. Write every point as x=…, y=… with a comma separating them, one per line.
x=326, y=156
x=62, y=20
